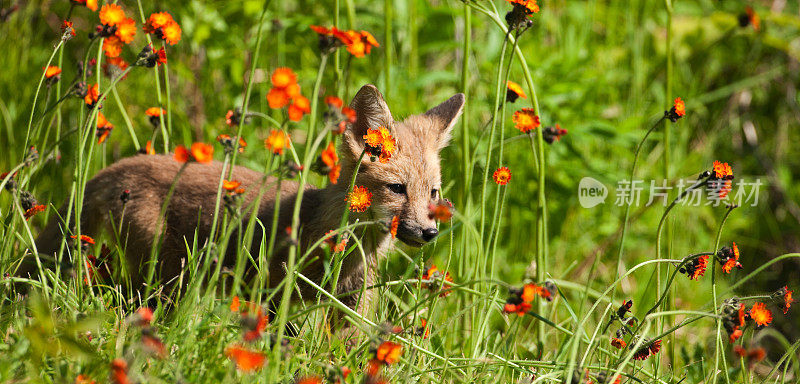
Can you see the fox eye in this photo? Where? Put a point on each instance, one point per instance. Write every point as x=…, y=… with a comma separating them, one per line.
x=399, y=189
x=434, y=193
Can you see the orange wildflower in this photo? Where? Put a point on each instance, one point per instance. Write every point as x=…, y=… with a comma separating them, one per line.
x=203, y=153
x=103, y=128
x=502, y=175
x=309, y=380
x=520, y=308
x=230, y=185
x=246, y=360
x=334, y=101
x=393, y=226
x=119, y=372
x=126, y=30
x=52, y=72
x=618, y=343
x=200, y=152
x=361, y=43
x=514, y=91
x=114, y=66
x=235, y=304
x=442, y=210
x=84, y=239
x=722, y=170
x=786, y=294
x=526, y=120
x=112, y=46
x=255, y=326
x=67, y=27
x=83, y=379
x=760, y=314
x=331, y=38
x=331, y=163
x=277, y=141
x=92, y=96
x=528, y=6
x=389, y=352
x=328, y=156
x=360, y=199
x=163, y=27
x=32, y=211
x=283, y=77
x=91, y=4
x=729, y=258
x=155, y=111
x=750, y=17
x=277, y=98
x=299, y=107
x=148, y=148
x=111, y=14
x=380, y=143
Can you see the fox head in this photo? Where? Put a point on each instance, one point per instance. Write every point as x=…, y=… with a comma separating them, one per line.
x=411, y=180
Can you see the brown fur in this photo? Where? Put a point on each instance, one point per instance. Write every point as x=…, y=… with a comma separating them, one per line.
x=415, y=164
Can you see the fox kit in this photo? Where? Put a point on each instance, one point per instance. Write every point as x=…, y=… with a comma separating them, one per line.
x=403, y=187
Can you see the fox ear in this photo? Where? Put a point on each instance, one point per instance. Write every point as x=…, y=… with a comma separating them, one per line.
x=371, y=112
x=446, y=114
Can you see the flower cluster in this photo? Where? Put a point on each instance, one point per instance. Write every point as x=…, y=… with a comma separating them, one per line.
x=328, y=163
x=696, y=268
x=721, y=179
x=646, y=349
x=200, y=152
x=150, y=57
x=285, y=91
x=784, y=298
x=253, y=322
x=230, y=144
x=115, y=28
x=520, y=300
x=380, y=144
x=517, y=18
x=332, y=243
x=103, y=128
x=435, y=280
x=728, y=257
x=338, y=116
x=358, y=43
x=735, y=316
x=163, y=27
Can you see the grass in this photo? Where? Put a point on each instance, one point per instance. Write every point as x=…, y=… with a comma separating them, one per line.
x=606, y=71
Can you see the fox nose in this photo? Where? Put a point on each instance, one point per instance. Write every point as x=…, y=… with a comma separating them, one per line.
x=429, y=233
